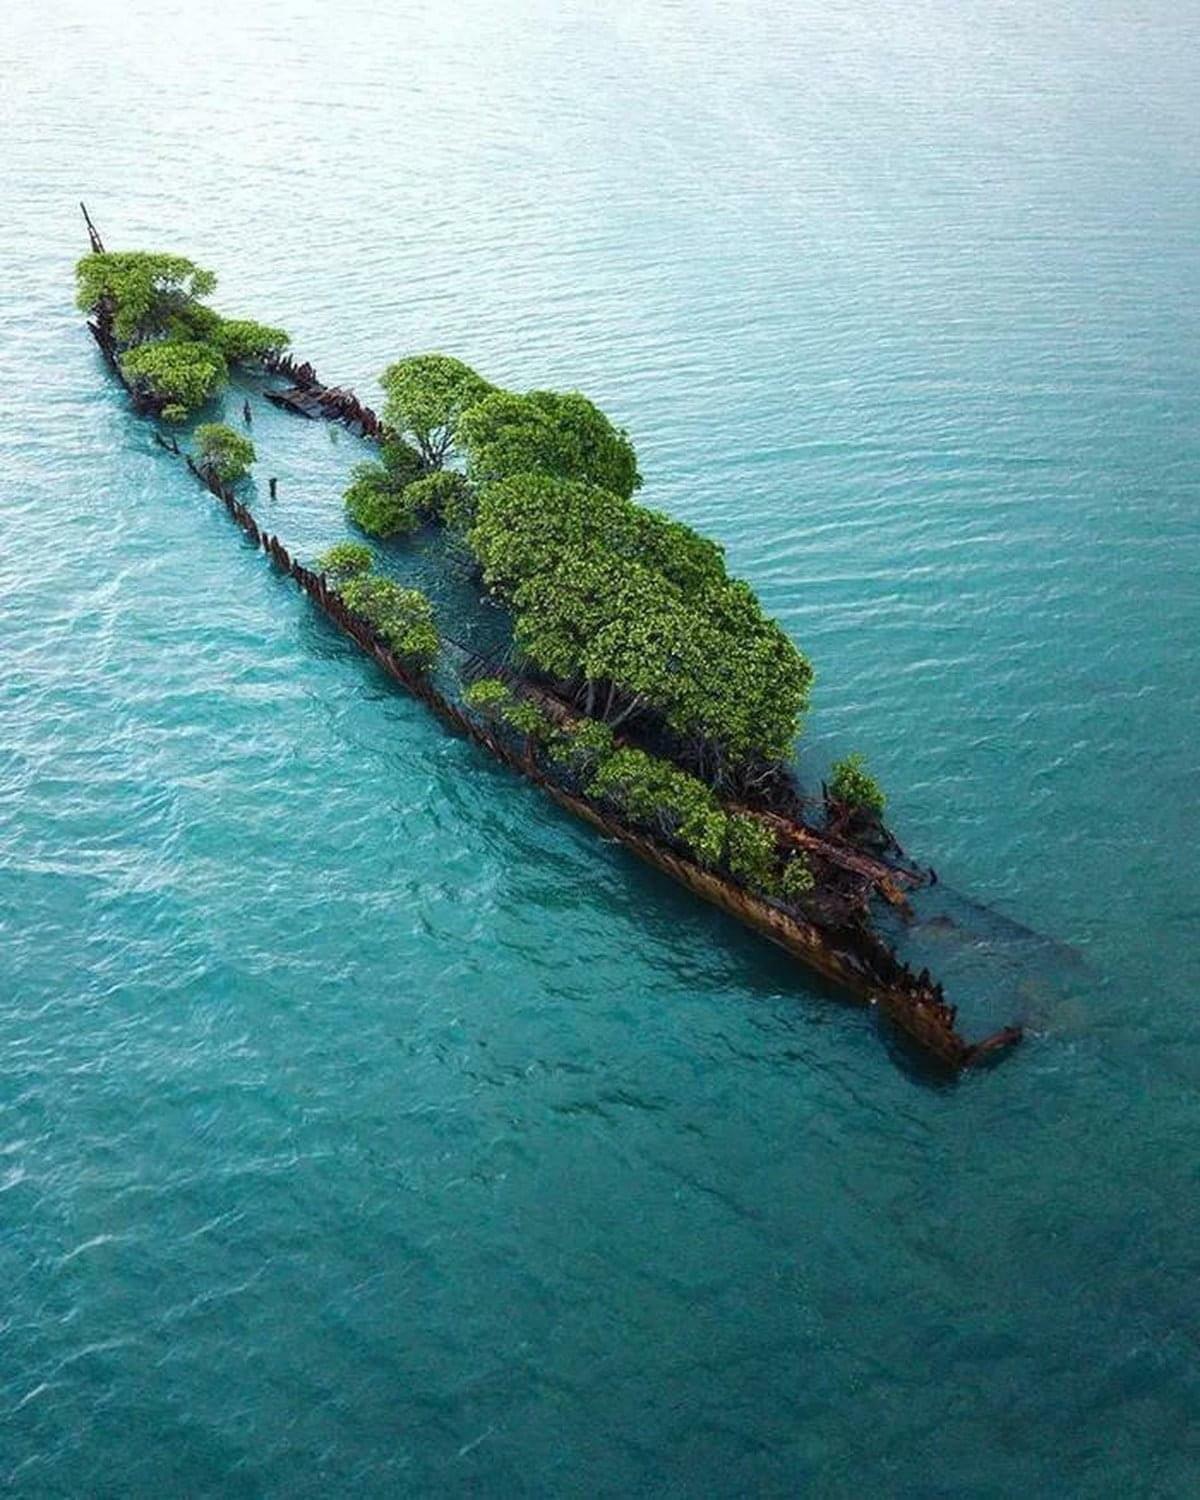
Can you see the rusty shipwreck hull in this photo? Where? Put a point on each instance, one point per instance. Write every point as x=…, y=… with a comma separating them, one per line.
x=913, y=1004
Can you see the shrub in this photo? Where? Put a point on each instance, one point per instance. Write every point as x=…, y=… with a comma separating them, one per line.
x=223, y=452
x=528, y=719
x=401, y=461
x=442, y=496
x=345, y=559
x=403, y=617
x=582, y=744
x=377, y=500
x=378, y=506
x=797, y=878
x=487, y=695
x=186, y=373
x=654, y=792
x=705, y=834
x=852, y=784
x=751, y=854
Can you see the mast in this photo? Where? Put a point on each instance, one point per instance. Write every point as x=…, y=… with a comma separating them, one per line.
x=93, y=232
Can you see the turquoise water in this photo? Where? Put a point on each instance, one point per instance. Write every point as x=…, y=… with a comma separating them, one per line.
x=367, y=1127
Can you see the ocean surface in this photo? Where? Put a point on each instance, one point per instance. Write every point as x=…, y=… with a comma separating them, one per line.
x=369, y=1128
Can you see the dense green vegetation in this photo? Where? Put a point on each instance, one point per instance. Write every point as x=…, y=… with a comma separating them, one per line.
x=853, y=785
x=403, y=617
x=633, y=614
x=652, y=793
x=184, y=373
x=173, y=348
x=560, y=434
x=426, y=397
x=223, y=452
x=377, y=500
x=345, y=559
x=638, y=615
x=144, y=290
x=630, y=616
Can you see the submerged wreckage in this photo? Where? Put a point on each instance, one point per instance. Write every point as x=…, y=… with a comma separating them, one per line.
x=721, y=817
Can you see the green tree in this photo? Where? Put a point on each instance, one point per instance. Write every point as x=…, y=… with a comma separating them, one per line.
x=752, y=854
x=853, y=785
x=442, y=496
x=638, y=614
x=143, y=289
x=561, y=434
x=426, y=395
x=223, y=452
x=241, y=340
x=402, y=617
x=797, y=879
x=345, y=559
x=376, y=505
x=184, y=374
x=378, y=499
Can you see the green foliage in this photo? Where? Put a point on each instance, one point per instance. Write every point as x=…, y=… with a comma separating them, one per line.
x=852, y=784
x=524, y=524
x=403, y=617
x=173, y=412
x=751, y=854
x=239, y=339
x=442, y=496
x=527, y=718
x=426, y=396
x=377, y=505
x=192, y=322
x=493, y=698
x=224, y=452
x=582, y=744
x=560, y=434
x=641, y=607
x=143, y=289
x=186, y=373
x=401, y=461
x=797, y=880
x=390, y=498
x=653, y=792
x=345, y=559
x=487, y=695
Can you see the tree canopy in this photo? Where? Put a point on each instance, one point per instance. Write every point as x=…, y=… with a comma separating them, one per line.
x=185, y=374
x=403, y=617
x=641, y=611
x=144, y=289
x=378, y=500
x=224, y=452
x=241, y=339
x=851, y=783
x=176, y=348
x=426, y=396
x=560, y=434
x=344, y=559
